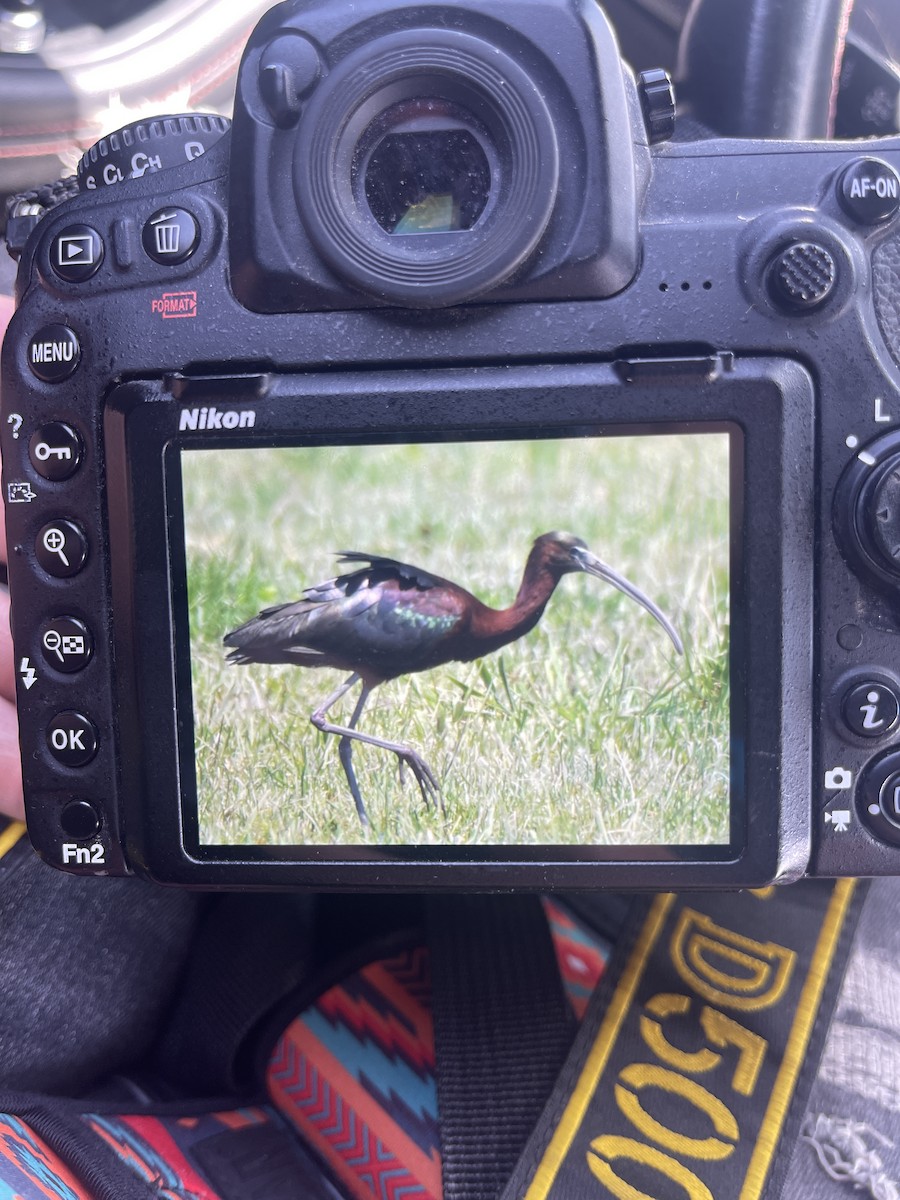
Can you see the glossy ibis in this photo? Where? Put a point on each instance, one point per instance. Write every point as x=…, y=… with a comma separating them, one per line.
x=386, y=618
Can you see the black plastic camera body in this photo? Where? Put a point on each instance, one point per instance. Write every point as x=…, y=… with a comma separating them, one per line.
x=437, y=292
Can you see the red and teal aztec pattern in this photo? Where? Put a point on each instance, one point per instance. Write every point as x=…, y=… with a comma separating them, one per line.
x=160, y=1149
x=353, y=1075
x=355, y=1071
x=580, y=954
x=29, y=1170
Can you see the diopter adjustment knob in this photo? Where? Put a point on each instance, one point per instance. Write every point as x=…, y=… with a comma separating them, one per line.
x=657, y=93
x=147, y=146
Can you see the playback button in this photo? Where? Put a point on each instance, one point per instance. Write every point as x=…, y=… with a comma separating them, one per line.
x=76, y=253
x=55, y=451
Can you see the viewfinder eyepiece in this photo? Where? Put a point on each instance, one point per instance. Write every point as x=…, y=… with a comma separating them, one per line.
x=426, y=167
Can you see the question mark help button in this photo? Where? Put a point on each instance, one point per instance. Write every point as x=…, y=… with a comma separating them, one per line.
x=56, y=450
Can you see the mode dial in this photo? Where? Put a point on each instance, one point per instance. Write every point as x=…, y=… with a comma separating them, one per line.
x=146, y=146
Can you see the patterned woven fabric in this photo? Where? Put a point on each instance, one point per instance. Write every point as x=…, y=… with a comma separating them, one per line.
x=353, y=1076
x=355, y=1072
x=581, y=955
x=160, y=1151
x=29, y=1170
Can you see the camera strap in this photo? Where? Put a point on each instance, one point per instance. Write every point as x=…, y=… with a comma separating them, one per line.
x=690, y=1073
x=502, y=1027
x=454, y=1071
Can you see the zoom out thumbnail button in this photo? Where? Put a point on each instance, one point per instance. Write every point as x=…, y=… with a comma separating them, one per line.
x=66, y=644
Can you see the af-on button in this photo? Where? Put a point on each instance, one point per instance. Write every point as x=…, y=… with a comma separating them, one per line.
x=869, y=191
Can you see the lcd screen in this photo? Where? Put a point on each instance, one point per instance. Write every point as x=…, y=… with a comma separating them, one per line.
x=556, y=706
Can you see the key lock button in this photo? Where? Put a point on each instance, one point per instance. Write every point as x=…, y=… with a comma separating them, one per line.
x=56, y=451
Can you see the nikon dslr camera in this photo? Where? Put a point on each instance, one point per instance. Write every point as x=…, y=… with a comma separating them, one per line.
x=443, y=478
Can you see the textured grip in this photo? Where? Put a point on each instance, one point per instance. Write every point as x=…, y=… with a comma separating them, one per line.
x=886, y=287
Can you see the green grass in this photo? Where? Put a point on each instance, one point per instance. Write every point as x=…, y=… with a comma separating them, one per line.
x=590, y=730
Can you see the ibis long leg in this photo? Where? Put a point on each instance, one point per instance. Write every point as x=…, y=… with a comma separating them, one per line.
x=428, y=785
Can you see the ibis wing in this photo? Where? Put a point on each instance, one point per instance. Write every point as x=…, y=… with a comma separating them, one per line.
x=384, y=619
x=404, y=572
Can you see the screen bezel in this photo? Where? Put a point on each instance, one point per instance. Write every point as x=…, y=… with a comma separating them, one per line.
x=452, y=405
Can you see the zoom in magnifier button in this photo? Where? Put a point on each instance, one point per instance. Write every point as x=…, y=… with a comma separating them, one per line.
x=61, y=548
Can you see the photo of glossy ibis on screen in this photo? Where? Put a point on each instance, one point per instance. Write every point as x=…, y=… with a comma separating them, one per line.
x=482, y=643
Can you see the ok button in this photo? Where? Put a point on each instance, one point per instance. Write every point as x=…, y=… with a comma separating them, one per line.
x=72, y=739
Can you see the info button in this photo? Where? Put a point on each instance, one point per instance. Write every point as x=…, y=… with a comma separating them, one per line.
x=54, y=353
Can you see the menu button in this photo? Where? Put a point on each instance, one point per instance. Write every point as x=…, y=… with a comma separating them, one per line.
x=54, y=353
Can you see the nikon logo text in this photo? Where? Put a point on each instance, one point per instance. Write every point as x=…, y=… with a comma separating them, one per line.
x=214, y=418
